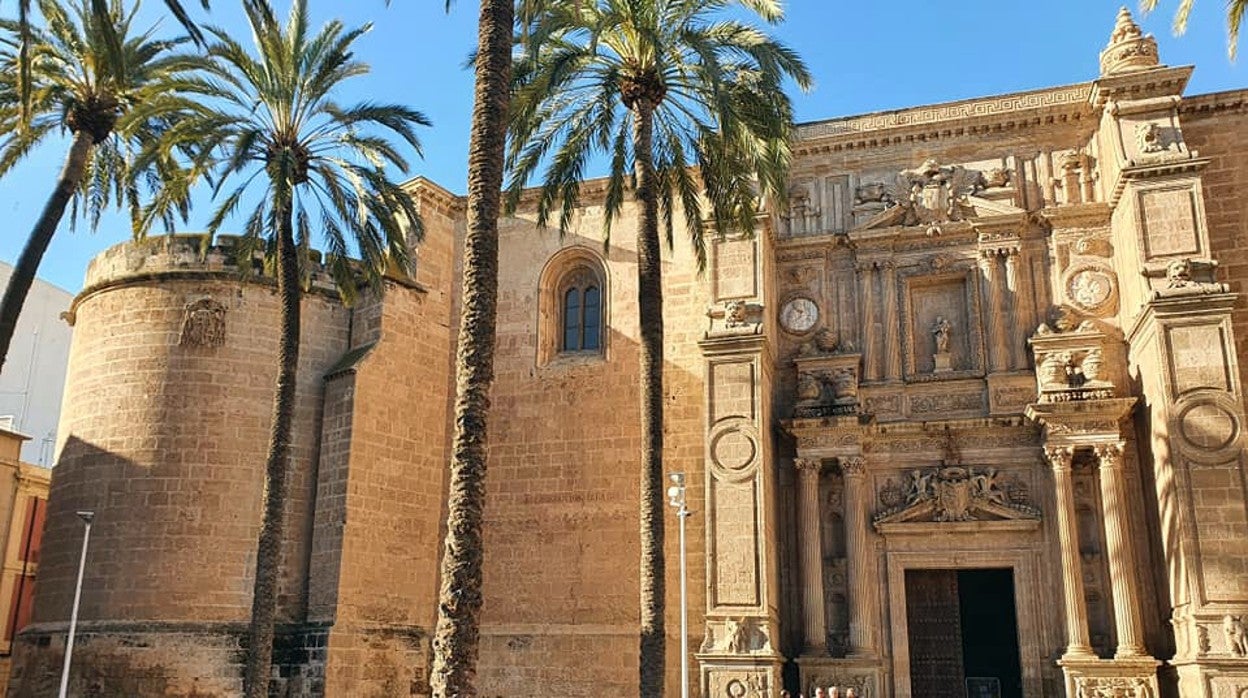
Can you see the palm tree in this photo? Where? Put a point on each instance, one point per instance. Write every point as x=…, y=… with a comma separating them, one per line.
x=683, y=101
x=1234, y=18
x=272, y=119
x=457, y=632
x=83, y=83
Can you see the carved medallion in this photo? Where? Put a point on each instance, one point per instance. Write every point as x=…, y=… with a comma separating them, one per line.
x=799, y=315
x=203, y=323
x=1092, y=288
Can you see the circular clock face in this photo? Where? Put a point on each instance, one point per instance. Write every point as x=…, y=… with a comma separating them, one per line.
x=799, y=315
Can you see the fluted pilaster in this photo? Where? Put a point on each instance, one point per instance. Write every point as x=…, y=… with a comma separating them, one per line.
x=863, y=594
x=870, y=340
x=1077, y=642
x=892, y=332
x=1122, y=563
x=1016, y=349
x=814, y=628
x=994, y=289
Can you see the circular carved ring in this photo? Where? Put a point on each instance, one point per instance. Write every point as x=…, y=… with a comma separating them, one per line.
x=1208, y=426
x=733, y=449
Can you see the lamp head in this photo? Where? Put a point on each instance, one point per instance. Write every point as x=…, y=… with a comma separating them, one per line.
x=86, y=516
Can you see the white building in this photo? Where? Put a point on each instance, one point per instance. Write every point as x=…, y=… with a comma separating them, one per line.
x=33, y=377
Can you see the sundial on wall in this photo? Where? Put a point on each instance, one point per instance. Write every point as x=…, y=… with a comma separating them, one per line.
x=799, y=315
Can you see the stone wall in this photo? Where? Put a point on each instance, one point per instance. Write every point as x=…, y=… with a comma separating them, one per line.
x=166, y=428
x=561, y=581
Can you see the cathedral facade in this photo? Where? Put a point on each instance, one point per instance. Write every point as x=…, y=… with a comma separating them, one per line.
x=963, y=418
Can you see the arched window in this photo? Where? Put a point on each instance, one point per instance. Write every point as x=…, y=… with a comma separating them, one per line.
x=573, y=312
x=582, y=312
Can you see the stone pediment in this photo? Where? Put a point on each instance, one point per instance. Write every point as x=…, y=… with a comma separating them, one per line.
x=953, y=494
x=932, y=195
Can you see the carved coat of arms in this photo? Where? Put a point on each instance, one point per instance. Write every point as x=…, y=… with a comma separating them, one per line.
x=935, y=193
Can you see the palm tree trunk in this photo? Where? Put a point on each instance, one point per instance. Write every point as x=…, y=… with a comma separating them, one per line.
x=457, y=635
x=269, y=546
x=40, y=238
x=650, y=312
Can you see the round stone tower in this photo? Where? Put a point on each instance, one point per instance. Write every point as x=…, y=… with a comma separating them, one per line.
x=164, y=433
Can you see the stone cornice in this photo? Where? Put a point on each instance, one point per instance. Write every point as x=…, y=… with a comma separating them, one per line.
x=966, y=117
x=1140, y=84
x=1213, y=103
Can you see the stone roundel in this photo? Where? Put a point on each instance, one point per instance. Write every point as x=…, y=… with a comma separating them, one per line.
x=1093, y=288
x=1208, y=426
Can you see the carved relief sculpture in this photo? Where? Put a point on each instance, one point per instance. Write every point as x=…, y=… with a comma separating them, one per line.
x=1112, y=687
x=736, y=317
x=1236, y=635
x=1180, y=281
x=955, y=493
x=929, y=194
x=203, y=323
x=799, y=315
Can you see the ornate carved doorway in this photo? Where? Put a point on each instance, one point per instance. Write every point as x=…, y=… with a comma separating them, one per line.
x=963, y=634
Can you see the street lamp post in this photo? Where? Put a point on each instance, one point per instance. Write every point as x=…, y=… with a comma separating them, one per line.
x=87, y=517
x=676, y=497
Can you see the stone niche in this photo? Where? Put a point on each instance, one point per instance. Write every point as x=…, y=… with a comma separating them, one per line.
x=935, y=304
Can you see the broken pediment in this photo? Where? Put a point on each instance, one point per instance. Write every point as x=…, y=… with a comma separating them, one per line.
x=933, y=194
x=955, y=493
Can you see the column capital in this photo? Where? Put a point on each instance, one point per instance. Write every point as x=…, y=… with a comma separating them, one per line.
x=1109, y=455
x=1059, y=457
x=853, y=466
x=808, y=465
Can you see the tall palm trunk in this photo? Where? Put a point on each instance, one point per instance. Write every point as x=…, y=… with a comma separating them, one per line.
x=269, y=546
x=650, y=315
x=40, y=238
x=456, y=638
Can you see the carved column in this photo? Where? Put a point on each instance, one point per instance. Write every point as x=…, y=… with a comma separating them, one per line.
x=1122, y=561
x=814, y=630
x=892, y=341
x=994, y=290
x=870, y=345
x=858, y=559
x=1077, y=642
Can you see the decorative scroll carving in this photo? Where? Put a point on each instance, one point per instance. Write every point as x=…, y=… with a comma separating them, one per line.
x=955, y=493
x=853, y=466
x=203, y=323
x=827, y=385
x=1059, y=457
x=1071, y=366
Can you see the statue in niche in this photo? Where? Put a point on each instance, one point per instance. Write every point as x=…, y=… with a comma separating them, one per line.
x=1236, y=635
x=940, y=333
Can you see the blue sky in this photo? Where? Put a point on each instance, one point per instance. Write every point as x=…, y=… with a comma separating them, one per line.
x=866, y=56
